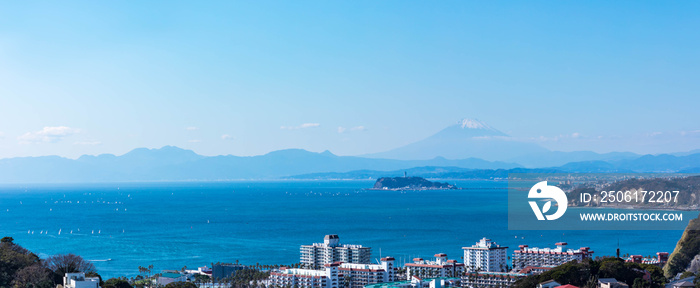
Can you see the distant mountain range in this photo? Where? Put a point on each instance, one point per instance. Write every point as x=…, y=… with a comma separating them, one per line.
x=175, y=164
x=455, y=152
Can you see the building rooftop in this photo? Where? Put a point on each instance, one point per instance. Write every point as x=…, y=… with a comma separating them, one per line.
x=608, y=280
x=170, y=275
x=559, y=249
x=304, y=272
x=404, y=283
x=485, y=243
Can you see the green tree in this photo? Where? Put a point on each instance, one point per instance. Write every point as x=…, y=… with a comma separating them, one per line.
x=180, y=285
x=13, y=258
x=117, y=283
x=640, y=283
x=35, y=276
x=69, y=263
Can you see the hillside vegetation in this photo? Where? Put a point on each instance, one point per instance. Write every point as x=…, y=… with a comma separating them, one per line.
x=686, y=249
x=587, y=272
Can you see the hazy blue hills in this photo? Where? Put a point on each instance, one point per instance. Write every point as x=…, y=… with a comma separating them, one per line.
x=468, y=149
x=175, y=164
x=426, y=172
x=664, y=163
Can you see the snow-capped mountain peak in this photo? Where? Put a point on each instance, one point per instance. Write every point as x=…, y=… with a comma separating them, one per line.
x=467, y=123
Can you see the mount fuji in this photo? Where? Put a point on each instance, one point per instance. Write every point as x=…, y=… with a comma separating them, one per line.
x=464, y=139
x=471, y=138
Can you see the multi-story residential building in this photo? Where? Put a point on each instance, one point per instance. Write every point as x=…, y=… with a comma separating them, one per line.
x=317, y=255
x=441, y=267
x=485, y=255
x=534, y=270
x=660, y=259
x=490, y=279
x=348, y=275
x=359, y=275
x=417, y=282
x=547, y=257
x=306, y=278
x=78, y=280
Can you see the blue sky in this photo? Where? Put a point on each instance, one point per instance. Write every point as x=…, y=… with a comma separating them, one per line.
x=353, y=77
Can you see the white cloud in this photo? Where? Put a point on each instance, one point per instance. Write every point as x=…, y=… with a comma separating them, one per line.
x=194, y=141
x=191, y=128
x=302, y=126
x=87, y=143
x=683, y=133
x=48, y=135
x=342, y=129
x=226, y=137
x=575, y=135
x=2, y=135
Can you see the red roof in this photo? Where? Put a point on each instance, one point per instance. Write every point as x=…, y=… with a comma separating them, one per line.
x=528, y=269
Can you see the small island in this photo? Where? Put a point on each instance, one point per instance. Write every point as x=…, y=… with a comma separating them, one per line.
x=409, y=183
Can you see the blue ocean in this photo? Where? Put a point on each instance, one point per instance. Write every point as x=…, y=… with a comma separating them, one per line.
x=171, y=225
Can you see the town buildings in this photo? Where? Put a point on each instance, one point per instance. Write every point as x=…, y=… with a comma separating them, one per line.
x=316, y=255
x=417, y=282
x=78, y=280
x=359, y=275
x=547, y=257
x=348, y=275
x=485, y=279
x=441, y=267
x=660, y=259
x=306, y=278
x=485, y=255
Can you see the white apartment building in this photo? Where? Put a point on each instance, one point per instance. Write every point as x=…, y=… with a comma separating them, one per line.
x=359, y=275
x=78, y=280
x=306, y=278
x=485, y=256
x=349, y=275
x=490, y=279
x=547, y=257
x=441, y=267
x=316, y=255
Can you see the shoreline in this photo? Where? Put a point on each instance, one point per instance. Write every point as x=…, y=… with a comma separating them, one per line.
x=640, y=208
